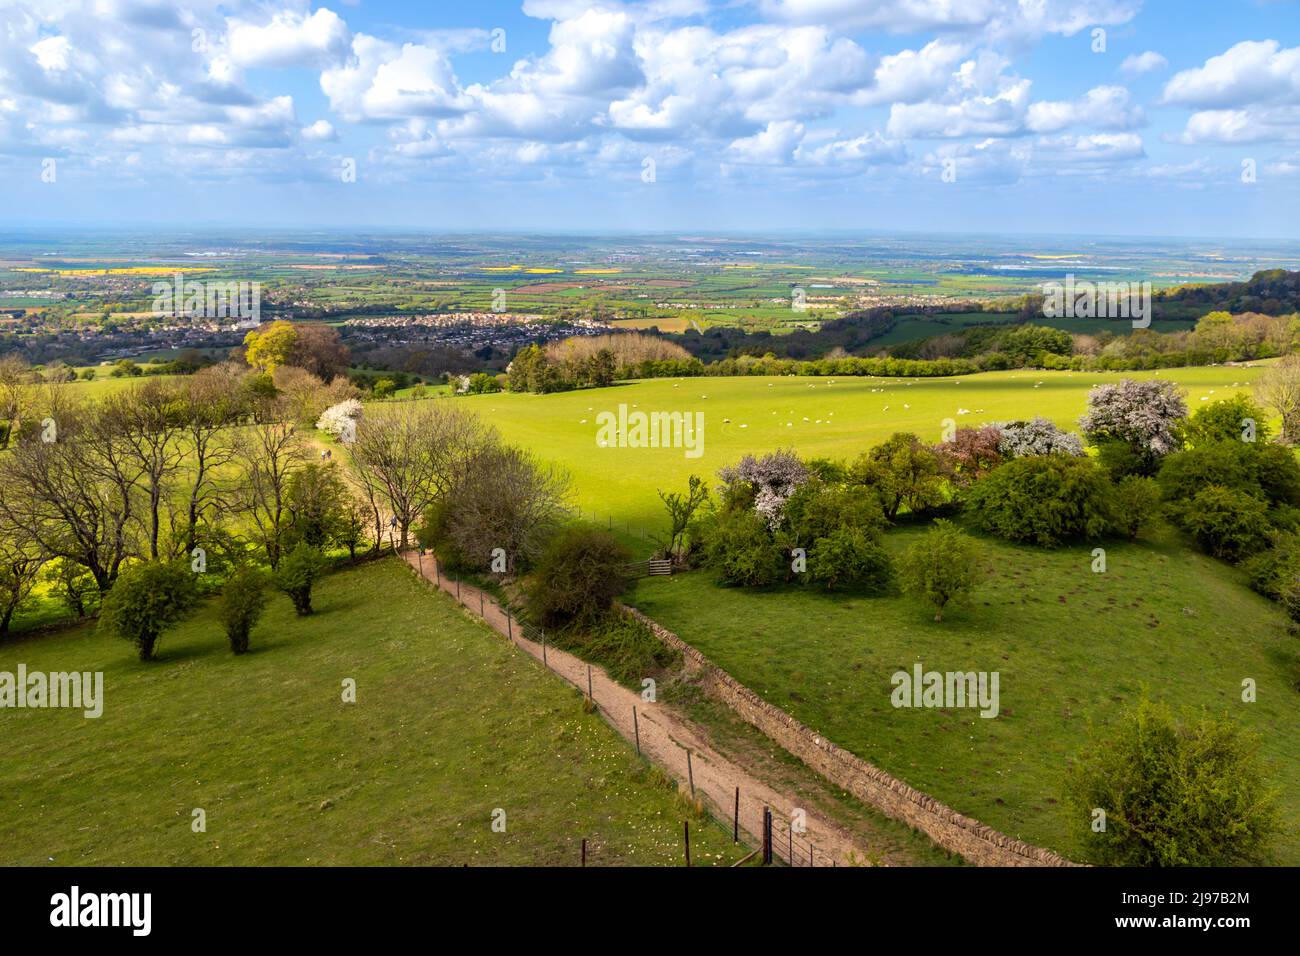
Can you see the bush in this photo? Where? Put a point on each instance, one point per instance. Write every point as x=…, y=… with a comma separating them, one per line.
x=146, y=599
x=1189, y=794
x=297, y=573
x=817, y=510
x=901, y=471
x=944, y=564
x=578, y=577
x=622, y=645
x=1038, y=436
x=850, y=559
x=241, y=603
x=1045, y=499
x=739, y=547
x=1229, y=419
x=1265, y=471
x=1147, y=416
x=1227, y=523
x=1274, y=572
x=1135, y=503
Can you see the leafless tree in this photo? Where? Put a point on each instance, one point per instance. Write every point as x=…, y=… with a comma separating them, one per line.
x=505, y=499
x=406, y=455
x=1279, y=389
x=71, y=486
x=147, y=423
x=268, y=454
x=211, y=405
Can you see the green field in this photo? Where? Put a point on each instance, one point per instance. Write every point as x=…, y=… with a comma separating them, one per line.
x=1071, y=647
x=756, y=414
x=450, y=723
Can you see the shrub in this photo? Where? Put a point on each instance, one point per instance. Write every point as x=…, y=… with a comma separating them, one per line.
x=340, y=420
x=817, y=510
x=241, y=603
x=901, y=471
x=1226, y=523
x=1274, y=572
x=850, y=559
x=1229, y=419
x=146, y=599
x=1045, y=499
x=739, y=547
x=1189, y=794
x=297, y=573
x=971, y=454
x=578, y=577
x=1038, y=436
x=622, y=645
x=943, y=565
x=1147, y=416
x=1135, y=503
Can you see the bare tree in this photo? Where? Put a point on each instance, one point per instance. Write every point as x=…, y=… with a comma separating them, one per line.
x=406, y=455
x=146, y=421
x=71, y=485
x=505, y=499
x=268, y=454
x=212, y=403
x=1279, y=389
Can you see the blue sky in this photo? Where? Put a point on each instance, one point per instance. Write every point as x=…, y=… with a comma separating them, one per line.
x=1095, y=117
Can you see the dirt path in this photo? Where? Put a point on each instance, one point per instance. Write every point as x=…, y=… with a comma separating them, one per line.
x=666, y=738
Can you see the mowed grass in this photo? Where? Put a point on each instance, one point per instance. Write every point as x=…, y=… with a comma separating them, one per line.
x=450, y=723
x=1073, y=648
x=837, y=418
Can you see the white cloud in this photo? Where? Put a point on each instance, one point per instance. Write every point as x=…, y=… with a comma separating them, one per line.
x=1248, y=72
x=1251, y=125
x=384, y=81
x=289, y=39
x=1103, y=107
x=1135, y=64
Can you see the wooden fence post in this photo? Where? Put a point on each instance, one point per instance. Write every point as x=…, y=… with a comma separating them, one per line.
x=767, y=836
x=636, y=727
x=690, y=774
x=735, y=821
x=584, y=851
x=590, y=696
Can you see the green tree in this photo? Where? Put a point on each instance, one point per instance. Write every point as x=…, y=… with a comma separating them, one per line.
x=1229, y=419
x=267, y=347
x=902, y=471
x=850, y=559
x=147, y=599
x=577, y=578
x=1044, y=499
x=1135, y=503
x=682, y=509
x=945, y=564
x=1173, y=794
x=297, y=573
x=241, y=603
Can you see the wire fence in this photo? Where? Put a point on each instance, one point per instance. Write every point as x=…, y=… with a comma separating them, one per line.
x=715, y=789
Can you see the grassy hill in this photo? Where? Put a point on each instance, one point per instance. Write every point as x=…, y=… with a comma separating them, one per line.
x=449, y=724
x=1072, y=648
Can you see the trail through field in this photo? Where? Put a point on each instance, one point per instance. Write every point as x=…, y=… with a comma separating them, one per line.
x=666, y=737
